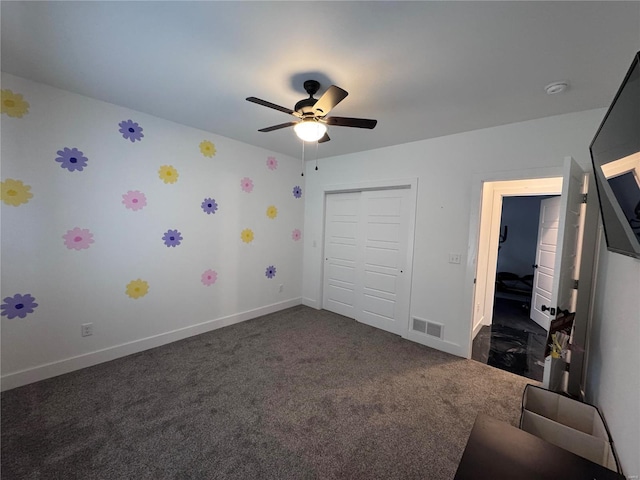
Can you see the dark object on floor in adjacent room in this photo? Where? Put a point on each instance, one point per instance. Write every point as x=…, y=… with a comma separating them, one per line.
x=513, y=342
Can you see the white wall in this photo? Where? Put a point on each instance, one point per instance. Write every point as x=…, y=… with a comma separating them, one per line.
x=613, y=381
x=446, y=168
x=72, y=287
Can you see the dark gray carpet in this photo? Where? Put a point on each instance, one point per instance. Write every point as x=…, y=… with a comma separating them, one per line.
x=299, y=394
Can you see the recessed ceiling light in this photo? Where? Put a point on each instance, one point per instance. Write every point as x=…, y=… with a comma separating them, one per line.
x=556, y=87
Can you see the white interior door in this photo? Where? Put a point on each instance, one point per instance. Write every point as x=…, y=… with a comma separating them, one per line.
x=562, y=295
x=385, y=239
x=342, y=257
x=366, y=274
x=545, y=261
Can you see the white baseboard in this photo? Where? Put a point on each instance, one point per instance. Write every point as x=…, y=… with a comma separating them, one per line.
x=53, y=369
x=438, y=344
x=310, y=302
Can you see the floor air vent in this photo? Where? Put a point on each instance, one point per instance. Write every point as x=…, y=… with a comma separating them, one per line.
x=430, y=328
x=419, y=325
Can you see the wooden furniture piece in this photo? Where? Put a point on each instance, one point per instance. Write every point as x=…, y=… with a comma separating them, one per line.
x=497, y=451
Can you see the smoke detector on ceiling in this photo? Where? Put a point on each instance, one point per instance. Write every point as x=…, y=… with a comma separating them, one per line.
x=556, y=87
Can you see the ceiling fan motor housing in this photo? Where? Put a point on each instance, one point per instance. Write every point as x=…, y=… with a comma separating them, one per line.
x=305, y=107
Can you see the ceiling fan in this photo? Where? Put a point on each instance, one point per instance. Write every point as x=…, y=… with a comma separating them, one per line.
x=312, y=114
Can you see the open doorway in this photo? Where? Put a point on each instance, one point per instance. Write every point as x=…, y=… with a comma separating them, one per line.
x=514, y=341
x=504, y=335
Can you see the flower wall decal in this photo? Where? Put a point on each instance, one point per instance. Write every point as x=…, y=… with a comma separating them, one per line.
x=209, y=206
x=296, y=234
x=14, y=192
x=168, y=174
x=130, y=130
x=137, y=288
x=18, y=306
x=272, y=212
x=272, y=163
x=207, y=148
x=72, y=159
x=270, y=272
x=78, y=238
x=172, y=238
x=247, y=235
x=297, y=192
x=209, y=277
x=13, y=104
x=246, y=184
x=134, y=200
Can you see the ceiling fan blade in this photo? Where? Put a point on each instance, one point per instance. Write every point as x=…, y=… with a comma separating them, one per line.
x=332, y=97
x=277, y=127
x=351, y=122
x=325, y=138
x=264, y=103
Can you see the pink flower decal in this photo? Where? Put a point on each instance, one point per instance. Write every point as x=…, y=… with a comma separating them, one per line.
x=247, y=184
x=209, y=277
x=78, y=238
x=296, y=234
x=272, y=163
x=134, y=200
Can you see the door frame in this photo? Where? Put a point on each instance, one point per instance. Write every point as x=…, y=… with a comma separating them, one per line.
x=391, y=184
x=486, y=210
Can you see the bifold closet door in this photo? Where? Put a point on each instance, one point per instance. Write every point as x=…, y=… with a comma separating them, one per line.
x=366, y=242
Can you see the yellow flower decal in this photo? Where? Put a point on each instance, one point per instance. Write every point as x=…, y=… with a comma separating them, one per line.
x=207, y=148
x=168, y=174
x=272, y=212
x=247, y=235
x=137, y=288
x=15, y=193
x=13, y=104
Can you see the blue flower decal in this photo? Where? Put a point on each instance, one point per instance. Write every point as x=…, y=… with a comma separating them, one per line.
x=209, y=206
x=18, y=306
x=270, y=272
x=297, y=192
x=131, y=130
x=72, y=159
x=172, y=238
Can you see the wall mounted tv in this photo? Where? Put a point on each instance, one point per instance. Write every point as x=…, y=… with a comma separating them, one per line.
x=615, y=153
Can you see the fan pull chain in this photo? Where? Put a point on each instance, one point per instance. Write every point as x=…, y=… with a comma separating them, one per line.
x=316, y=156
x=302, y=174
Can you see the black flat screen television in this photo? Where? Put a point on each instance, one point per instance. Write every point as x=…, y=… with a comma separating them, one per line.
x=615, y=154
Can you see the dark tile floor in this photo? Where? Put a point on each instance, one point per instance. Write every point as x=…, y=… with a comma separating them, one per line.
x=513, y=342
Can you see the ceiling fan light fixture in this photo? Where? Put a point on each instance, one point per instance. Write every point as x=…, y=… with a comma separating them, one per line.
x=310, y=130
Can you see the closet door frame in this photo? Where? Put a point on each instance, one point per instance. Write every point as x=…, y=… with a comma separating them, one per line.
x=411, y=184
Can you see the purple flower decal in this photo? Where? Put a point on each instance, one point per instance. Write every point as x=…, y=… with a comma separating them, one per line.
x=209, y=277
x=270, y=272
x=131, y=130
x=134, y=200
x=296, y=235
x=18, y=305
x=209, y=206
x=72, y=159
x=172, y=238
x=297, y=192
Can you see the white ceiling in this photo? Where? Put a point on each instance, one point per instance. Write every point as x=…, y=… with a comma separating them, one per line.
x=422, y=69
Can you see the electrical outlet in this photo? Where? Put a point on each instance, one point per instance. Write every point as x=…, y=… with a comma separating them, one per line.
x=86, y=329
x=455, y=258
x=281, y=288
x=632, y=477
